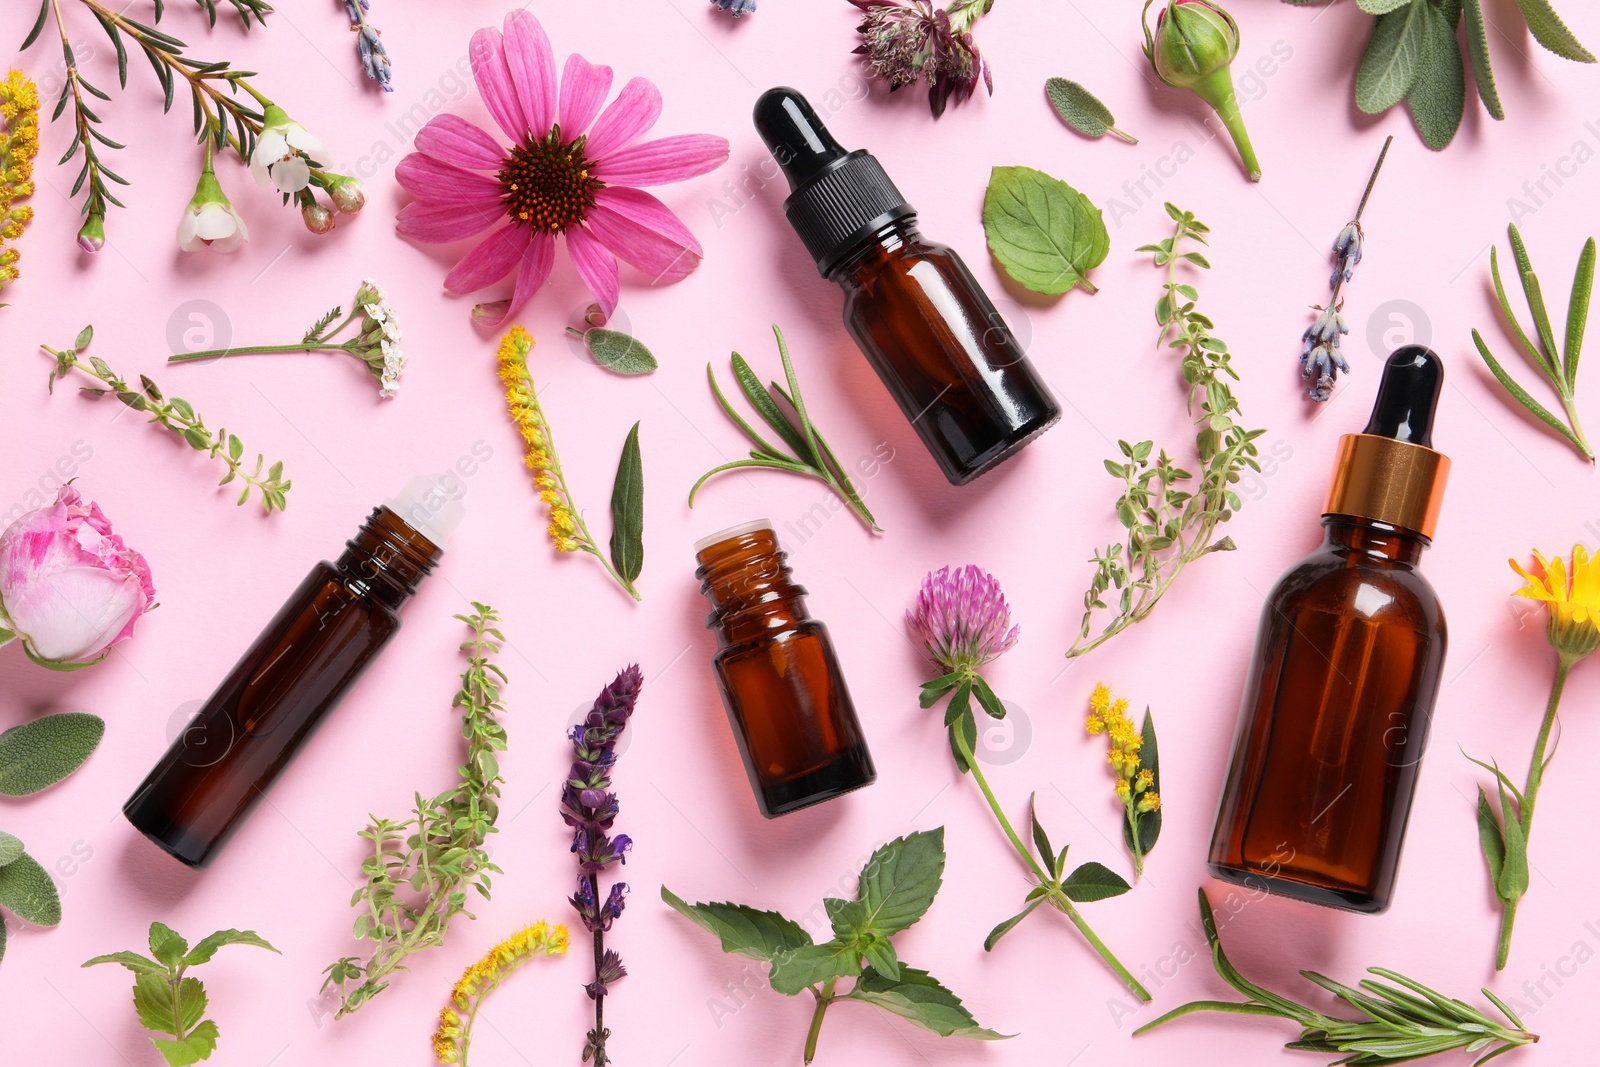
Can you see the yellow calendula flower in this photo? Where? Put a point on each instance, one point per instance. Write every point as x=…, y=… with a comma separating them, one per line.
x=1571, y=593
x=453, y=1038
x=19, y=143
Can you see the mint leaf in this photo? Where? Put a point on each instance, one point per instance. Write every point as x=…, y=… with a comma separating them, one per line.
x=38, y=754
x=27, y=891
x=1094, y=881
x=167, y=945
x=131, y=960
x=881, y=958
x=918, y=998
x=744, y=931
x=796, y=970
x=899, y=882
x=207, y=947
x=10, y=848
x=198, y=1045
x=1393, y=58
x=152, y=1001
x=1438, y=97
x=191, y=1002
x=1046, y=235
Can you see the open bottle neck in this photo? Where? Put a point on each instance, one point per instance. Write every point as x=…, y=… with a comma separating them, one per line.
x=388, y=558
x=1379, y=540
x=747, y=581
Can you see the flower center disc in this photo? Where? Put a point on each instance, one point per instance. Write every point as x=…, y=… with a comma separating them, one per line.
x=546, y=184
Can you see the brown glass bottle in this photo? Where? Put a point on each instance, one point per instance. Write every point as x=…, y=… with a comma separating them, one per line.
x=786, y=699
x=1347, y=662
x=934, y=338
x=313, y=650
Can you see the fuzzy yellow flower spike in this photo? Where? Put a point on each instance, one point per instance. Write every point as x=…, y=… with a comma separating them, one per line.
x=1132, y=757
x=19, y=143
x=1573, y=599
x=453, y=1038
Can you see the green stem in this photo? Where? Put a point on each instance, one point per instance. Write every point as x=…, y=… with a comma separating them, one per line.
x=1577, y=427
x=1216, y=89
x=994, y=805
x=1060, y=901
x=1133, y=836
x=824, y=998
x=256, y=350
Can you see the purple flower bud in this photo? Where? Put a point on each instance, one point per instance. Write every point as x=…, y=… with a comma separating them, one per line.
x=962, y=618
x=614, y=902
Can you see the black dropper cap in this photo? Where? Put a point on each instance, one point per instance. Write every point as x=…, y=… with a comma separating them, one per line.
x=1413, y=377
x=837, y=199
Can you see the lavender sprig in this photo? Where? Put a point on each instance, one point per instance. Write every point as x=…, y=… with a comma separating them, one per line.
x=369, y=43
x=589, y=807
x=736, y=8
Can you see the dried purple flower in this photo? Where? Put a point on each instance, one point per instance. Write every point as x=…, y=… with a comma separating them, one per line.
x=907, y=41
x=962, y=619
x=735, y=8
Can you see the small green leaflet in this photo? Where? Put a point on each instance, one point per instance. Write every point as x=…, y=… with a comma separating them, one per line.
x=1046, y=235
x=1149, y=822
x=1093, y=881
x=616, y=351
x=38, y=754
x=918, y=998
x=627, y=510
x=1082, y=110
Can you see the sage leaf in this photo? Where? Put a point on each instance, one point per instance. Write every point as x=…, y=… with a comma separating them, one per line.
x=795, y=971
x=627, y=510
x=28, y=892
x=1093, y=881
x=1046, y=235
x=1478, y=49
x=1438, y=97
x=1381, y=7
x=1149, y=822
x=1082, y=110
x=1393, y=59
x=38, y=754
x=743, y=931
x=10, y=848
x=1548, y=29
x=3, y=925
x=899, y=882
x=616, y=351
x=918, y=998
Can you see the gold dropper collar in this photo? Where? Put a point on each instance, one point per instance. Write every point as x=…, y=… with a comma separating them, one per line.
x=1383, y=480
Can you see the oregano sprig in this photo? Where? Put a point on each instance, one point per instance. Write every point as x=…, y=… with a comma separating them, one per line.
x=1169, y=526
x=177, y=415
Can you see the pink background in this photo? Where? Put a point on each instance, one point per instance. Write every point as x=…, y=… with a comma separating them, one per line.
x=221, y=571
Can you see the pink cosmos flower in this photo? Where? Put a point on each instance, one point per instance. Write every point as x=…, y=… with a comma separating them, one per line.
x=69, y=587
x=572, y=170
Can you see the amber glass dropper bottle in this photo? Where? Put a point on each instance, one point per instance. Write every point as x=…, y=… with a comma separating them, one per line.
x=322, y=639
x=916, y=312
x=1347, y=663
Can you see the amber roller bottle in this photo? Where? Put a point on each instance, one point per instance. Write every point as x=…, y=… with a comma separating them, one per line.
x=322, y=639
x=786, y=699
x=917, y=314
x=1347, y=662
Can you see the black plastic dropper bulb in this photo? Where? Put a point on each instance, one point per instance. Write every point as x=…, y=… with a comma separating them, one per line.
x=933, y=336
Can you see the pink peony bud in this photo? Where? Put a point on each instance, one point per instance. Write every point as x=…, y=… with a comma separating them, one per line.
x=69, y=587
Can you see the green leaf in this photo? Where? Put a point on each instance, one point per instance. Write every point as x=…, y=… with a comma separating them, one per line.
x=770, y=413
x=1393, y=59
x=207, y=946
x=1548, y=29
x=152, y=1001
x=1521, y=395
x=899, y=882
x=1093, y=881
x=933, y=691
x=744, y=931
x=1082, y=110
x=38, y=754
x=85, y=335
x=881, y=958
x=2, y=924
x=1478, y=49
x=132, y=960
x=1380, y=7
x=166, y=944
x=1513, y=880
x=991, y=704
x=196, y=1046
x=1491, y=839
x=918, y=998
x=27, y=891
x=1046, y=235
x=1041, y=840
x=1578, y=314
x=191, y=1002
x=10, y=848
x=627, y=510
x=616, y=351
x=1004, y=928
x=796, y=970
x=1437, y=98
x=1149, y=821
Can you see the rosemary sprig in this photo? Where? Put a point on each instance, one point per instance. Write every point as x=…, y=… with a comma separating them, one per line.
x=421, y=867
x=1170, y=527
x=179, y=416
x=1559, y=366
x=808, y=453
x=1404, y=1021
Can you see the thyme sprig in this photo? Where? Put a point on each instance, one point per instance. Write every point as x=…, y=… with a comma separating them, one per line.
x=1404, y=1019
x=422, y=866
x=1169, y=527
x=177, y=415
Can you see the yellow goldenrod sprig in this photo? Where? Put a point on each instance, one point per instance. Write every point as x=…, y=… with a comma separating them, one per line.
x=568, y=532
x=1133, y=761
x=453, y=1038
x=19, y=143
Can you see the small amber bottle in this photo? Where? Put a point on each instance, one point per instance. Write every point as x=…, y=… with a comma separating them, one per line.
x=296, y=671
x=914, y=309
x=785, y=697
x=1347, y=663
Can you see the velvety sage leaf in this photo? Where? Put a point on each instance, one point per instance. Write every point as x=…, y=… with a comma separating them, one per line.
x=744, y=931
x=1082, y=110
x=1548, y=29
x=1004, y=928
x=207, y=947
x=899, y=882
x=1094, y=881
x=1478, y=49
x=1491, y=839
x=918, y=998
x=28, y=892
x=795, y=971
x=167, y=945
x=38, y=754
x=1381, y=7
x=197, y=1045
x=1046, y=235
x=1393, y=59
x=1149, y=758
x=2, y=941
x=1438, y=97
x=627, y=510
x=616, y=351
x=10, y=848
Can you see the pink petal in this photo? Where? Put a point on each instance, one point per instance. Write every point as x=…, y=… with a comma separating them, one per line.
x=531, y=275
x=671, y=159
x=627, y=118
x=584, y=86
x=596, y=266
x=645, y=233
x=437, y=224
x=429, y=179
x=533, y=69
x=452, y=139
x=494, y=82
x=492, y=259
